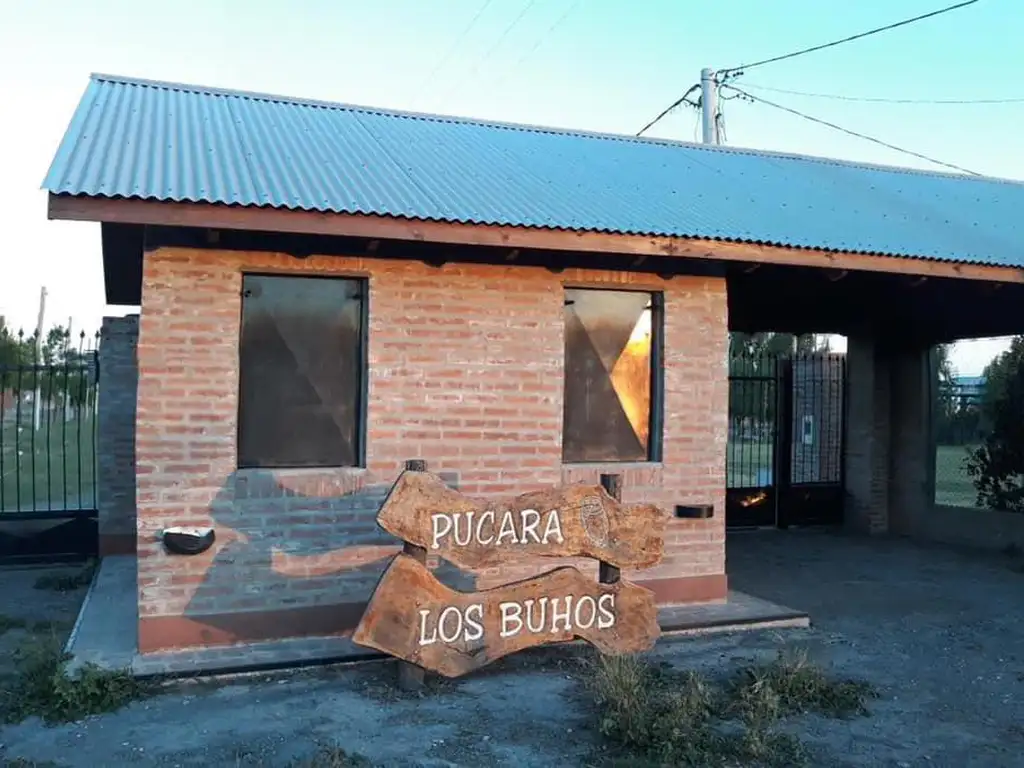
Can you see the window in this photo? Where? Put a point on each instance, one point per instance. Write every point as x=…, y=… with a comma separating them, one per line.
x=302, y=372
x=612, y=376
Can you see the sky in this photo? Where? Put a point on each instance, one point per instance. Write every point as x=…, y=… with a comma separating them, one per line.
x=604, y=65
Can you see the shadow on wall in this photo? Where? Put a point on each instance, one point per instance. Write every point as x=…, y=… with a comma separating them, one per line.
x=297, y=541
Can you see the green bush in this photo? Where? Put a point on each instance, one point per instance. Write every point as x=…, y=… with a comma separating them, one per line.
x=43, y=687
x=654, y=717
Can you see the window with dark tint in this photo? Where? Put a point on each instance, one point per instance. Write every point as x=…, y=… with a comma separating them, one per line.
x=301, y=372
x=611, y=376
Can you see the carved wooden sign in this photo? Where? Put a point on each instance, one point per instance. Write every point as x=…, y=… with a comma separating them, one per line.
x=416, y=618
x=572, y=521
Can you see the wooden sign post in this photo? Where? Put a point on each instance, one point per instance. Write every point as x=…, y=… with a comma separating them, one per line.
x=410, y=676
x=608, y=573
x=428, y=626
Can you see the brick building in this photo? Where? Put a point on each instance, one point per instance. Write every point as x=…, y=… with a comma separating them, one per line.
x=327, y=291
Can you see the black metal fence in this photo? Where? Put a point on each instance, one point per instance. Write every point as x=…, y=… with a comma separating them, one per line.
x=48, y=420
x=786, y=439
x=754, y=383
x=961, y=425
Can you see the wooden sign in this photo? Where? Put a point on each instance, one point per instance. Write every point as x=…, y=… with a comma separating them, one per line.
x=416, y=618
x=572, y=521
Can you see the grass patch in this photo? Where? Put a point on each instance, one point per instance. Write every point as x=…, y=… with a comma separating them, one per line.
x=7, y=623
x=801, y=687
x=652, y=716
x=334, y=757
x=1015, y=554
x=324, y=757
x=42, y=687
x=953, y=486
x=45, y=628
x=67, y=582
x=54, y=468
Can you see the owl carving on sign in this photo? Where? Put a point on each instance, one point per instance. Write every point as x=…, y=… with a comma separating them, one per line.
x=595, y=521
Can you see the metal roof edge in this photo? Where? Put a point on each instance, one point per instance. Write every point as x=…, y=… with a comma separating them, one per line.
x=69, y=140
x=531, y=128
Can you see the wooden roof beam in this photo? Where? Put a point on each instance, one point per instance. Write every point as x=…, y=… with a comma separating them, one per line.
x=206, y=215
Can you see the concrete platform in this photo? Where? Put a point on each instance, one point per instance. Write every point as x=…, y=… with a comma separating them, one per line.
x=106, y=632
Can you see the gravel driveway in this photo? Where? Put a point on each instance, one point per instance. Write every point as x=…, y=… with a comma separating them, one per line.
x=939, y=633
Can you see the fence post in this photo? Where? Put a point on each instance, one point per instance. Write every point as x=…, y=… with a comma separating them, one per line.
x=410, y=676
x=609, y=574
x=784, y=435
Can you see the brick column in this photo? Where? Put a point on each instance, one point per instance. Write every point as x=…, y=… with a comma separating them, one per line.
x=867, y=436
x=912, y=451
x=118, y=389
x=889, y=454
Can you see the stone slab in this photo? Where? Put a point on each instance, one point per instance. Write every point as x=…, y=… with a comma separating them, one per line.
x=106, y=632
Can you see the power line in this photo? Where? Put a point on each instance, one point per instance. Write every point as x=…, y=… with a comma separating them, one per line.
x=684, y=98
x=550, y=31
x=847, y=131
x=490, y=51
x=879, y=100
x=454, y=46
x=886, y=28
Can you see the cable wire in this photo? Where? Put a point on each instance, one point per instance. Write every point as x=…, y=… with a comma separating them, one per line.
x=454, y=47
x=558, y=22
x=886, y=28
x=847, y=131
x=684, y=98
x=490, y=51
x=879, y=100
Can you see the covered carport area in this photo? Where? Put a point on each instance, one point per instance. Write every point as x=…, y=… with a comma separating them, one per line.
x=893, y=314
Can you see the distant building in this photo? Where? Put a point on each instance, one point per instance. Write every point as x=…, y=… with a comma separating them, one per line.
x=970, y=385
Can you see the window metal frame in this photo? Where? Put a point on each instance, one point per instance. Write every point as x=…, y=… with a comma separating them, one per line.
x=656, y=415
x=362, y=286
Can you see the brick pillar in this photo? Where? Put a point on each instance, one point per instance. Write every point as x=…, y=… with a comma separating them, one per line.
x=890, y=459
x=867, y=436
x=118, y=389
x=912, y=451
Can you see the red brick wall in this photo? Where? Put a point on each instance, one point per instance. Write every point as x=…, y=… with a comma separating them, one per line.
x=465, y=371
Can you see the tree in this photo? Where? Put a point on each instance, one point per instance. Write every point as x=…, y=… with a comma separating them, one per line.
x=765, y=344
x=999, y=373
x=997, y=467
x=10, y=346
x=63, y=372
x=946, y=402
x=753, y=368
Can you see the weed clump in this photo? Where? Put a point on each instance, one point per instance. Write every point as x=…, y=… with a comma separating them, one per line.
x=67, y=582
x=653, y=716
x=42, y=687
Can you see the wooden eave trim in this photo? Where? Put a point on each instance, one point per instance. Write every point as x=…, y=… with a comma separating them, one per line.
x=251, y=218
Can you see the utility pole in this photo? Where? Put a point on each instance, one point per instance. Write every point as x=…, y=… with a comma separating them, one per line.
x=709, y=105
x=37, y=406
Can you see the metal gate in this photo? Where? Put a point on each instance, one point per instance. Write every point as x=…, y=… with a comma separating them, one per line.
x=48, y=496
x=786, y=440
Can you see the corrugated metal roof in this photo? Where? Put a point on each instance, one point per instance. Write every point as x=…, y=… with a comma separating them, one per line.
x=164, y=141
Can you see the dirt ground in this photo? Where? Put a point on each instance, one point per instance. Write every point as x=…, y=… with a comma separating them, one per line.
x=939, y=633
x=28, y=614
